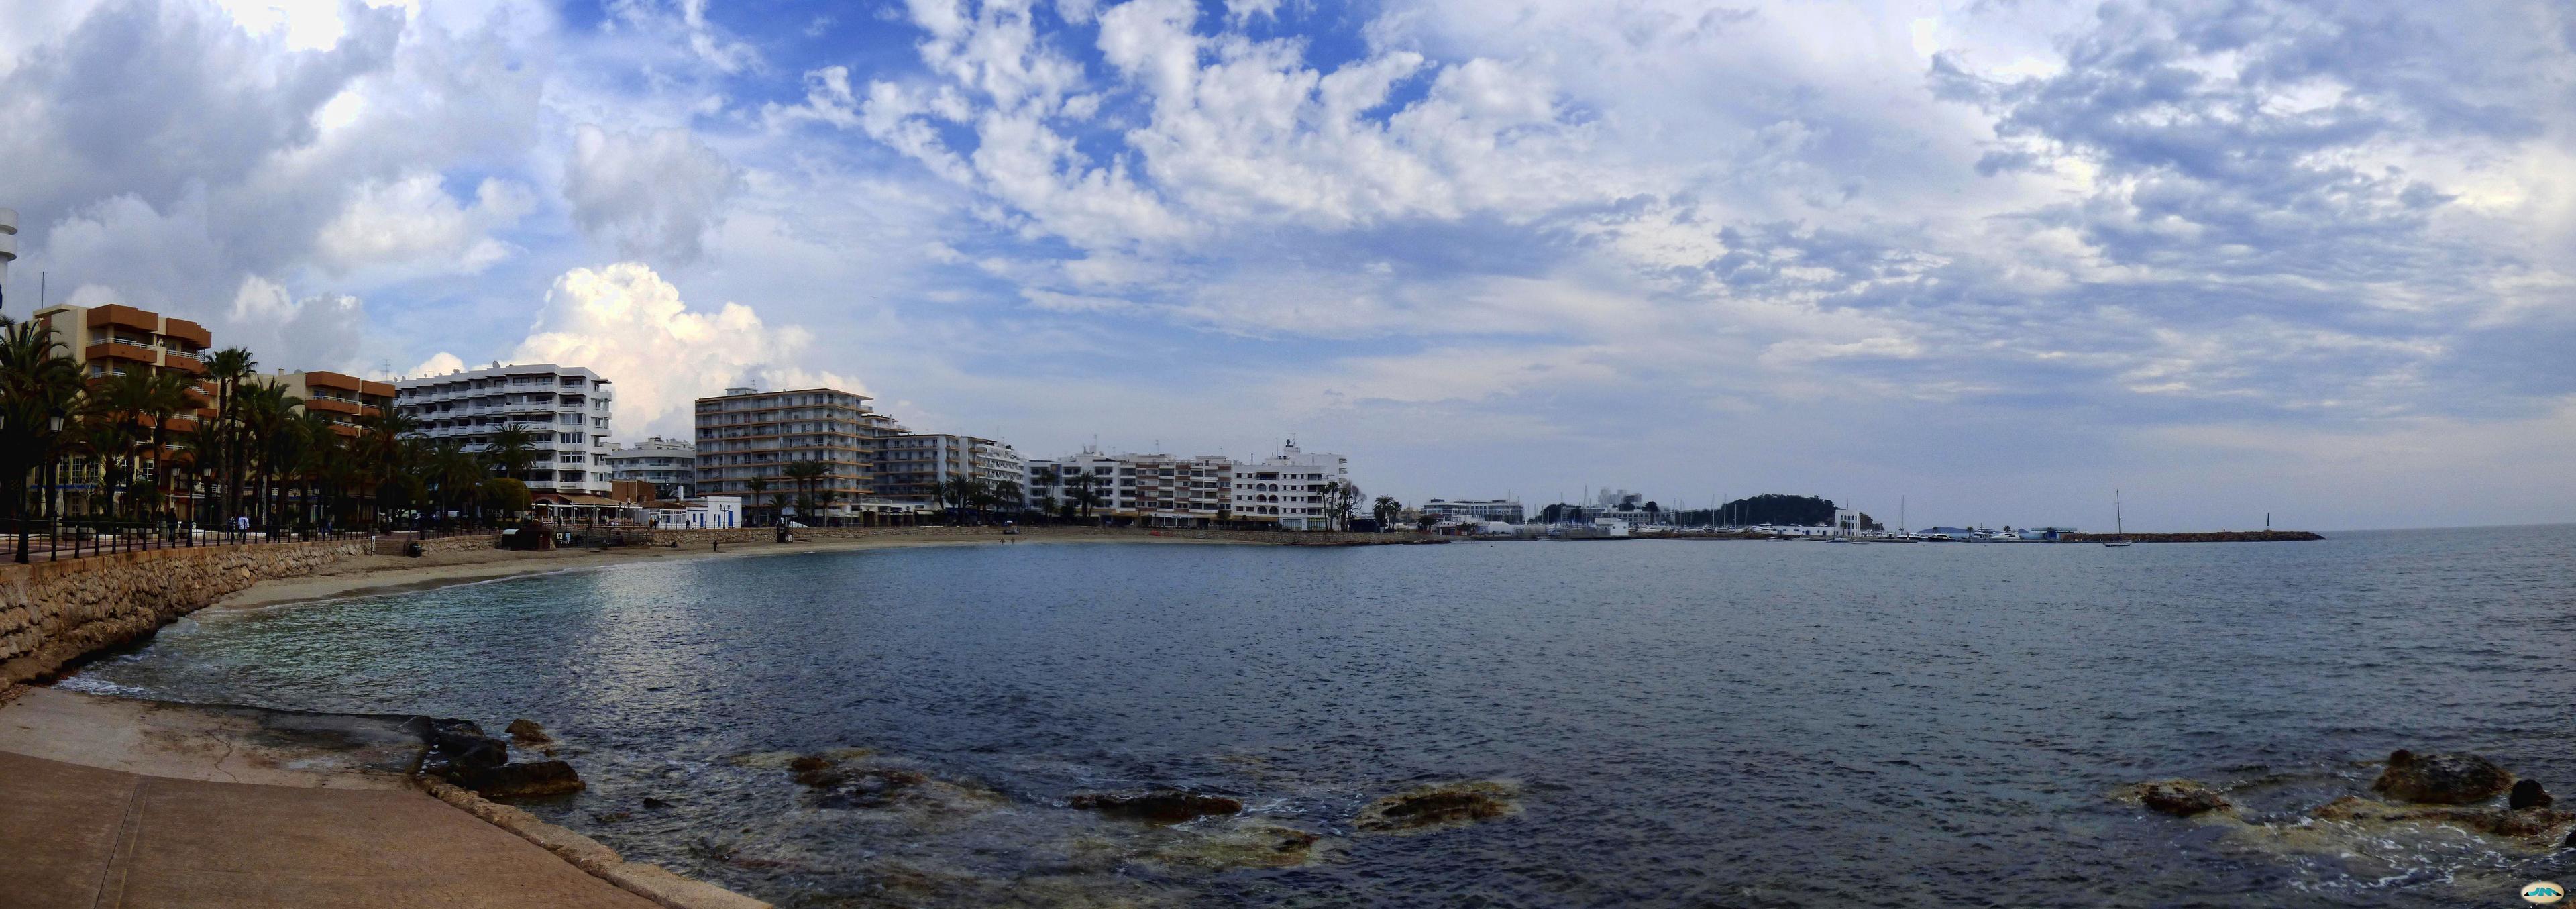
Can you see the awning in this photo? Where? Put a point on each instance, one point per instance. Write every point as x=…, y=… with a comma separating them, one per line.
x=577, y=499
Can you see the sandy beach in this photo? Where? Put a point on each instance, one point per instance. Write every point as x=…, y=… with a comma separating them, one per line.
x=380, y=574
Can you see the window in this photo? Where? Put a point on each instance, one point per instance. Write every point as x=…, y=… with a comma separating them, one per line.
x=569, y=438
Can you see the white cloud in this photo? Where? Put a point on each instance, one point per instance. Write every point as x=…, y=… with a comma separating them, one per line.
x=438, y=364
x=413, y=223
x=631, y=326
x=655, y=193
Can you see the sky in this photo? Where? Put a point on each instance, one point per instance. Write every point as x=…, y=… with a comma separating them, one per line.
x=1992, y=260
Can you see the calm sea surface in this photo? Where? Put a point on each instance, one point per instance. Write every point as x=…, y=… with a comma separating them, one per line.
x=1690, y=723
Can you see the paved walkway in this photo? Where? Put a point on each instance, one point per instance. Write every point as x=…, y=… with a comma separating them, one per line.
x=82, y=837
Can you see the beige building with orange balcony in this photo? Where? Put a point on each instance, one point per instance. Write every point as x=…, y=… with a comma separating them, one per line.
x=346, y=400
x=116, y=339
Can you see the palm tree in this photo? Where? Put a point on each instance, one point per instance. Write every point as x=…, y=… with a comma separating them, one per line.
x=227, y=368
x=39, y=387
x=165, y=394
x=963, y=492
x=454, y=471
x=808, y=476
x=267, y=415
x=757, y=485
x=1085, y=492
x=512, y=448
x=1386, y=509
x=1340, y=497
x=381, y=454
x=1005, y=493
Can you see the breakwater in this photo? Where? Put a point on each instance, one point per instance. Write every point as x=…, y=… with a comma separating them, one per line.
x=52, y=613
x=2209, y=536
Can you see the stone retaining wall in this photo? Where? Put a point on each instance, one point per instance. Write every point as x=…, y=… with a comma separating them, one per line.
x=54, y=612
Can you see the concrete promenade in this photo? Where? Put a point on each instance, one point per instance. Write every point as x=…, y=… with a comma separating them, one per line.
x=82, y=837
x=110, y=802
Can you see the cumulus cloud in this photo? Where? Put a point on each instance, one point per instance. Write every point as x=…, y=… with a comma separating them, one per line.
x=414, y=223
x=653, y=194
x=631, y=326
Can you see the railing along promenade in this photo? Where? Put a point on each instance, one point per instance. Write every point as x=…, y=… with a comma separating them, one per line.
x=74, y=538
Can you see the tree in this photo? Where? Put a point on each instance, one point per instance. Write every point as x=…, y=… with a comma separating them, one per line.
x=512, y=448
x=808, y=474
x=1341, y=497
x=959, y=492
x=456, y=474
x=1386, y=510
x=40, y=386
x=1005, y=493
x=164, y=395
x=757, y=485
x=1084, y=490
x=226, y=368
x=508, y=496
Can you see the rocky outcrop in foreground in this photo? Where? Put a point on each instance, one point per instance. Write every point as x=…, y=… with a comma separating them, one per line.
x=2434, y=790
x=460, y=753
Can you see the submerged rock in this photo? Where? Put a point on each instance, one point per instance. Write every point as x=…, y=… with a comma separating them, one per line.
x=2440, y=779
x=2522, y=824
x=1439, y=805
x=2528, y=794
x=2180, y=797
x=528, y=734
x=875, y=787
x=1168, y=806
x=1251, y=845
x=534, y=779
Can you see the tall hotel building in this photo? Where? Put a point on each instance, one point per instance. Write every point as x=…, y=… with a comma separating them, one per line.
x=114, y=340
x=746, y=434
x=568, y=407
x=913, y=466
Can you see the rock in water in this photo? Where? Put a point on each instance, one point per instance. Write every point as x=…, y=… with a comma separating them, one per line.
x=528, y=734
x=2441, y=779
x=2523, y=824
x=519, y=781
x=1168, y=806
x=2181, y=798
x=1439, y=805
x=2528, y=794
x=458, y=745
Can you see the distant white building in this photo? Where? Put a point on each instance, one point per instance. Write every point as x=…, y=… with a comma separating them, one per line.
x=1479, y=510
x=566, y=407
x=8, y=246
x=710, y=513
x=670, y=465
x=1286, y=489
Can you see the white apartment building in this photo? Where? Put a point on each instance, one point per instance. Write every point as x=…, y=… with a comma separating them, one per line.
x=1155, y=490
x=671, y=465
x=567, y=407
x=912, y=466
x=1286, y=489
x=1161, y=490
x=747, y=436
